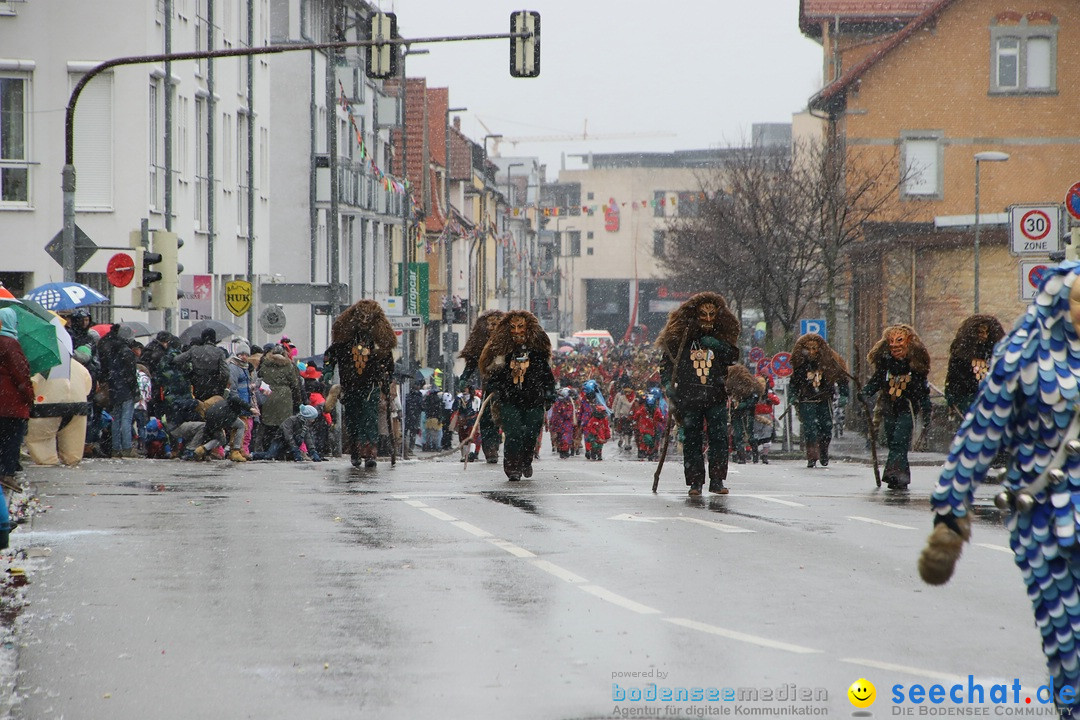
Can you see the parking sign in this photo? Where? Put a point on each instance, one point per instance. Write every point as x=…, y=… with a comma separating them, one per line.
x=816, y=325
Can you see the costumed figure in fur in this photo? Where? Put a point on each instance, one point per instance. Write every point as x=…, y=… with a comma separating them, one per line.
x=1028, y=405
x=819, y=373
x=901, y=364
x=516, y=366
x=490, y=437
x=969, y=360
x=699, y=343
x=743, y=392
x=362, y=350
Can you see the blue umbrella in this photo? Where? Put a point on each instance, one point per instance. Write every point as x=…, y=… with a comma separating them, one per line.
x=61, y=296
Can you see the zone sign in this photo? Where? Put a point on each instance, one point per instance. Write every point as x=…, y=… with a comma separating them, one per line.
x=1035, y=229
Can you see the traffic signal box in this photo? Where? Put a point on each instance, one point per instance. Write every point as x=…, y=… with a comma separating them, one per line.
x=382, y=58
x=525, y=51
x=166, y=287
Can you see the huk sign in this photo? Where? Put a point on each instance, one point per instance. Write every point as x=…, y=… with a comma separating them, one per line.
x=238, y=296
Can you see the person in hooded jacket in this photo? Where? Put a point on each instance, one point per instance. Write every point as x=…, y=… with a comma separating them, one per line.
x=205, y=366
x=295, y=434
x=118, y=363
x=280, y=373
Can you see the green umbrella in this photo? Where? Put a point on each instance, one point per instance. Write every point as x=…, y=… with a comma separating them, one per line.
x=30, y=305
x=38, y=340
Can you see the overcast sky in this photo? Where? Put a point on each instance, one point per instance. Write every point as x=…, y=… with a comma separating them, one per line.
x=682, y=74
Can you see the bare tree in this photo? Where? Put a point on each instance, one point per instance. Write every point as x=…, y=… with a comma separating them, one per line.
x=744, y=242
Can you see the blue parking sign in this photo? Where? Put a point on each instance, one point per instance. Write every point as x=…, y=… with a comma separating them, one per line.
x=816, y=325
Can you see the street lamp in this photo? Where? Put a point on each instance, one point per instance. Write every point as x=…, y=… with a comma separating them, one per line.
x=506, y=251
x=986, y=156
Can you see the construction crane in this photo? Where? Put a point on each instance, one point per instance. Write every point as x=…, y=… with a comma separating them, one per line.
x=568, y=137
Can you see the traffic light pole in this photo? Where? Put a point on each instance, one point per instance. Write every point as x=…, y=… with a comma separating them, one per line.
x=68, y=182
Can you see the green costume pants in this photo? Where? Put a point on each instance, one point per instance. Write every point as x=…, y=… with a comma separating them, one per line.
x=742, y=429
x=816, y=421
x=489, y=433
x=714, y=420
x=898, y=430
x=521, y=426
x=361, y=411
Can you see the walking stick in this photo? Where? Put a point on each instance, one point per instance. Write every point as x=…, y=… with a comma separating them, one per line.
x=390, y=429
x=671, y=412
x=475, y=429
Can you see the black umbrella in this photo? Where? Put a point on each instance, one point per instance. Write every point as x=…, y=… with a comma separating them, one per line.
x=222, y=330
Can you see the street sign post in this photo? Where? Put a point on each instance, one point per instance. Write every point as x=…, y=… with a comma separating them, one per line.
x=406, y=322
x=781, y=364
x=120, y=270
x=1031, y=276
x=272, y=320
x=814, y=325
x=1072, y=201
x=1035, y=229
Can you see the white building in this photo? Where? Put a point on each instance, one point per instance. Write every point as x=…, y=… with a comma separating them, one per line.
x=269, y=213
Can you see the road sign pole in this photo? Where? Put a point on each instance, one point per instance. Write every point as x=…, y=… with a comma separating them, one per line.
x=68, y=182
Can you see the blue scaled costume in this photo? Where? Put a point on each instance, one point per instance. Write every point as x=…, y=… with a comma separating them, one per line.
x=1028, y=405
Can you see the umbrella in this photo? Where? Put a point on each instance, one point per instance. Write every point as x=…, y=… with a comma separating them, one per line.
x=128, y=329
x=61, y=296
x=222, y=329
x=30, y=305
x=567, y=349
x=5, y=293
x=38, y=340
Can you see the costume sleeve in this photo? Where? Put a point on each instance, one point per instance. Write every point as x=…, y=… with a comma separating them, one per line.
x=874, y=384
x=330, y=361
x=956, y=367
x=987, y=426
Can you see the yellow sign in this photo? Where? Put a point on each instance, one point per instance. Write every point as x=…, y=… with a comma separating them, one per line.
x=238, y=296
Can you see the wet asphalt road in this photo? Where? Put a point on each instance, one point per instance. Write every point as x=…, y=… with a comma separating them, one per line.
x=277, y=590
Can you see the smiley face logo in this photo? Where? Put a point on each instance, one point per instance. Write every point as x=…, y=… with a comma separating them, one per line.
x=862, y=693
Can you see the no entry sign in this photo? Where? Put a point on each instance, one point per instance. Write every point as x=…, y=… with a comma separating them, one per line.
x=120, y=270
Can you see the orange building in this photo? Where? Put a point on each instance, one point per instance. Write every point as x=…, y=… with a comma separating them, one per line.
x=928, y=84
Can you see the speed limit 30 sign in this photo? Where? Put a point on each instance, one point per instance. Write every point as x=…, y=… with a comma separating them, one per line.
x=1035, y=229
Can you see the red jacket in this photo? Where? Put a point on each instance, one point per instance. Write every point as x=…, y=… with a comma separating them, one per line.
x=16, y=390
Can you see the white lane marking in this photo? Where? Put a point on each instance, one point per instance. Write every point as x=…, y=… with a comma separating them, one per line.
x=415, y=503
x=872, y=521
x=559, y=572
x=721, y=527
x=740, y=636
x=616, y=599
x=436, y=513
x=510, y=547
x=770, y=498
x=999, y=548
x=471, y=529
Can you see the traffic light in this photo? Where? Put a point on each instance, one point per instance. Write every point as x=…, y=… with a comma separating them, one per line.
x=166, y=288
x=381, y=57
x=525, y=51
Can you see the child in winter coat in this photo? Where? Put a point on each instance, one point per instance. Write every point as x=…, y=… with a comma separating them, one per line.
x=597, y=432
x=647, y=422
x=562, y=423
x=764, y=421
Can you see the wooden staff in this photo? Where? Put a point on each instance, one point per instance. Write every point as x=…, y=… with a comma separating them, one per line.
x=870, y=423
x=671, y=410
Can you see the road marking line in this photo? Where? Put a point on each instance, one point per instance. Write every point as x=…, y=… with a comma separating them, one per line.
x=415, y=503
x=471, y=529
x=872, y=521
x=741, y=637
x=510, y=547
x=999, y=548
x=770, y=498
x=436, y=513
x=721, y=527
x=616, y=599
x=559, y=572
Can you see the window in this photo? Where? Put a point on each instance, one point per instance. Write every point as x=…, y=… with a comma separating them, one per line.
x=94, y=143
x=575, y=243
x=589, y=196
x=590, y=235
x=14, y=114
x=588, y=251
x=922, y=165
x=658, y=243
x=242, y=176
x=1023, y=54
x=202, y=181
